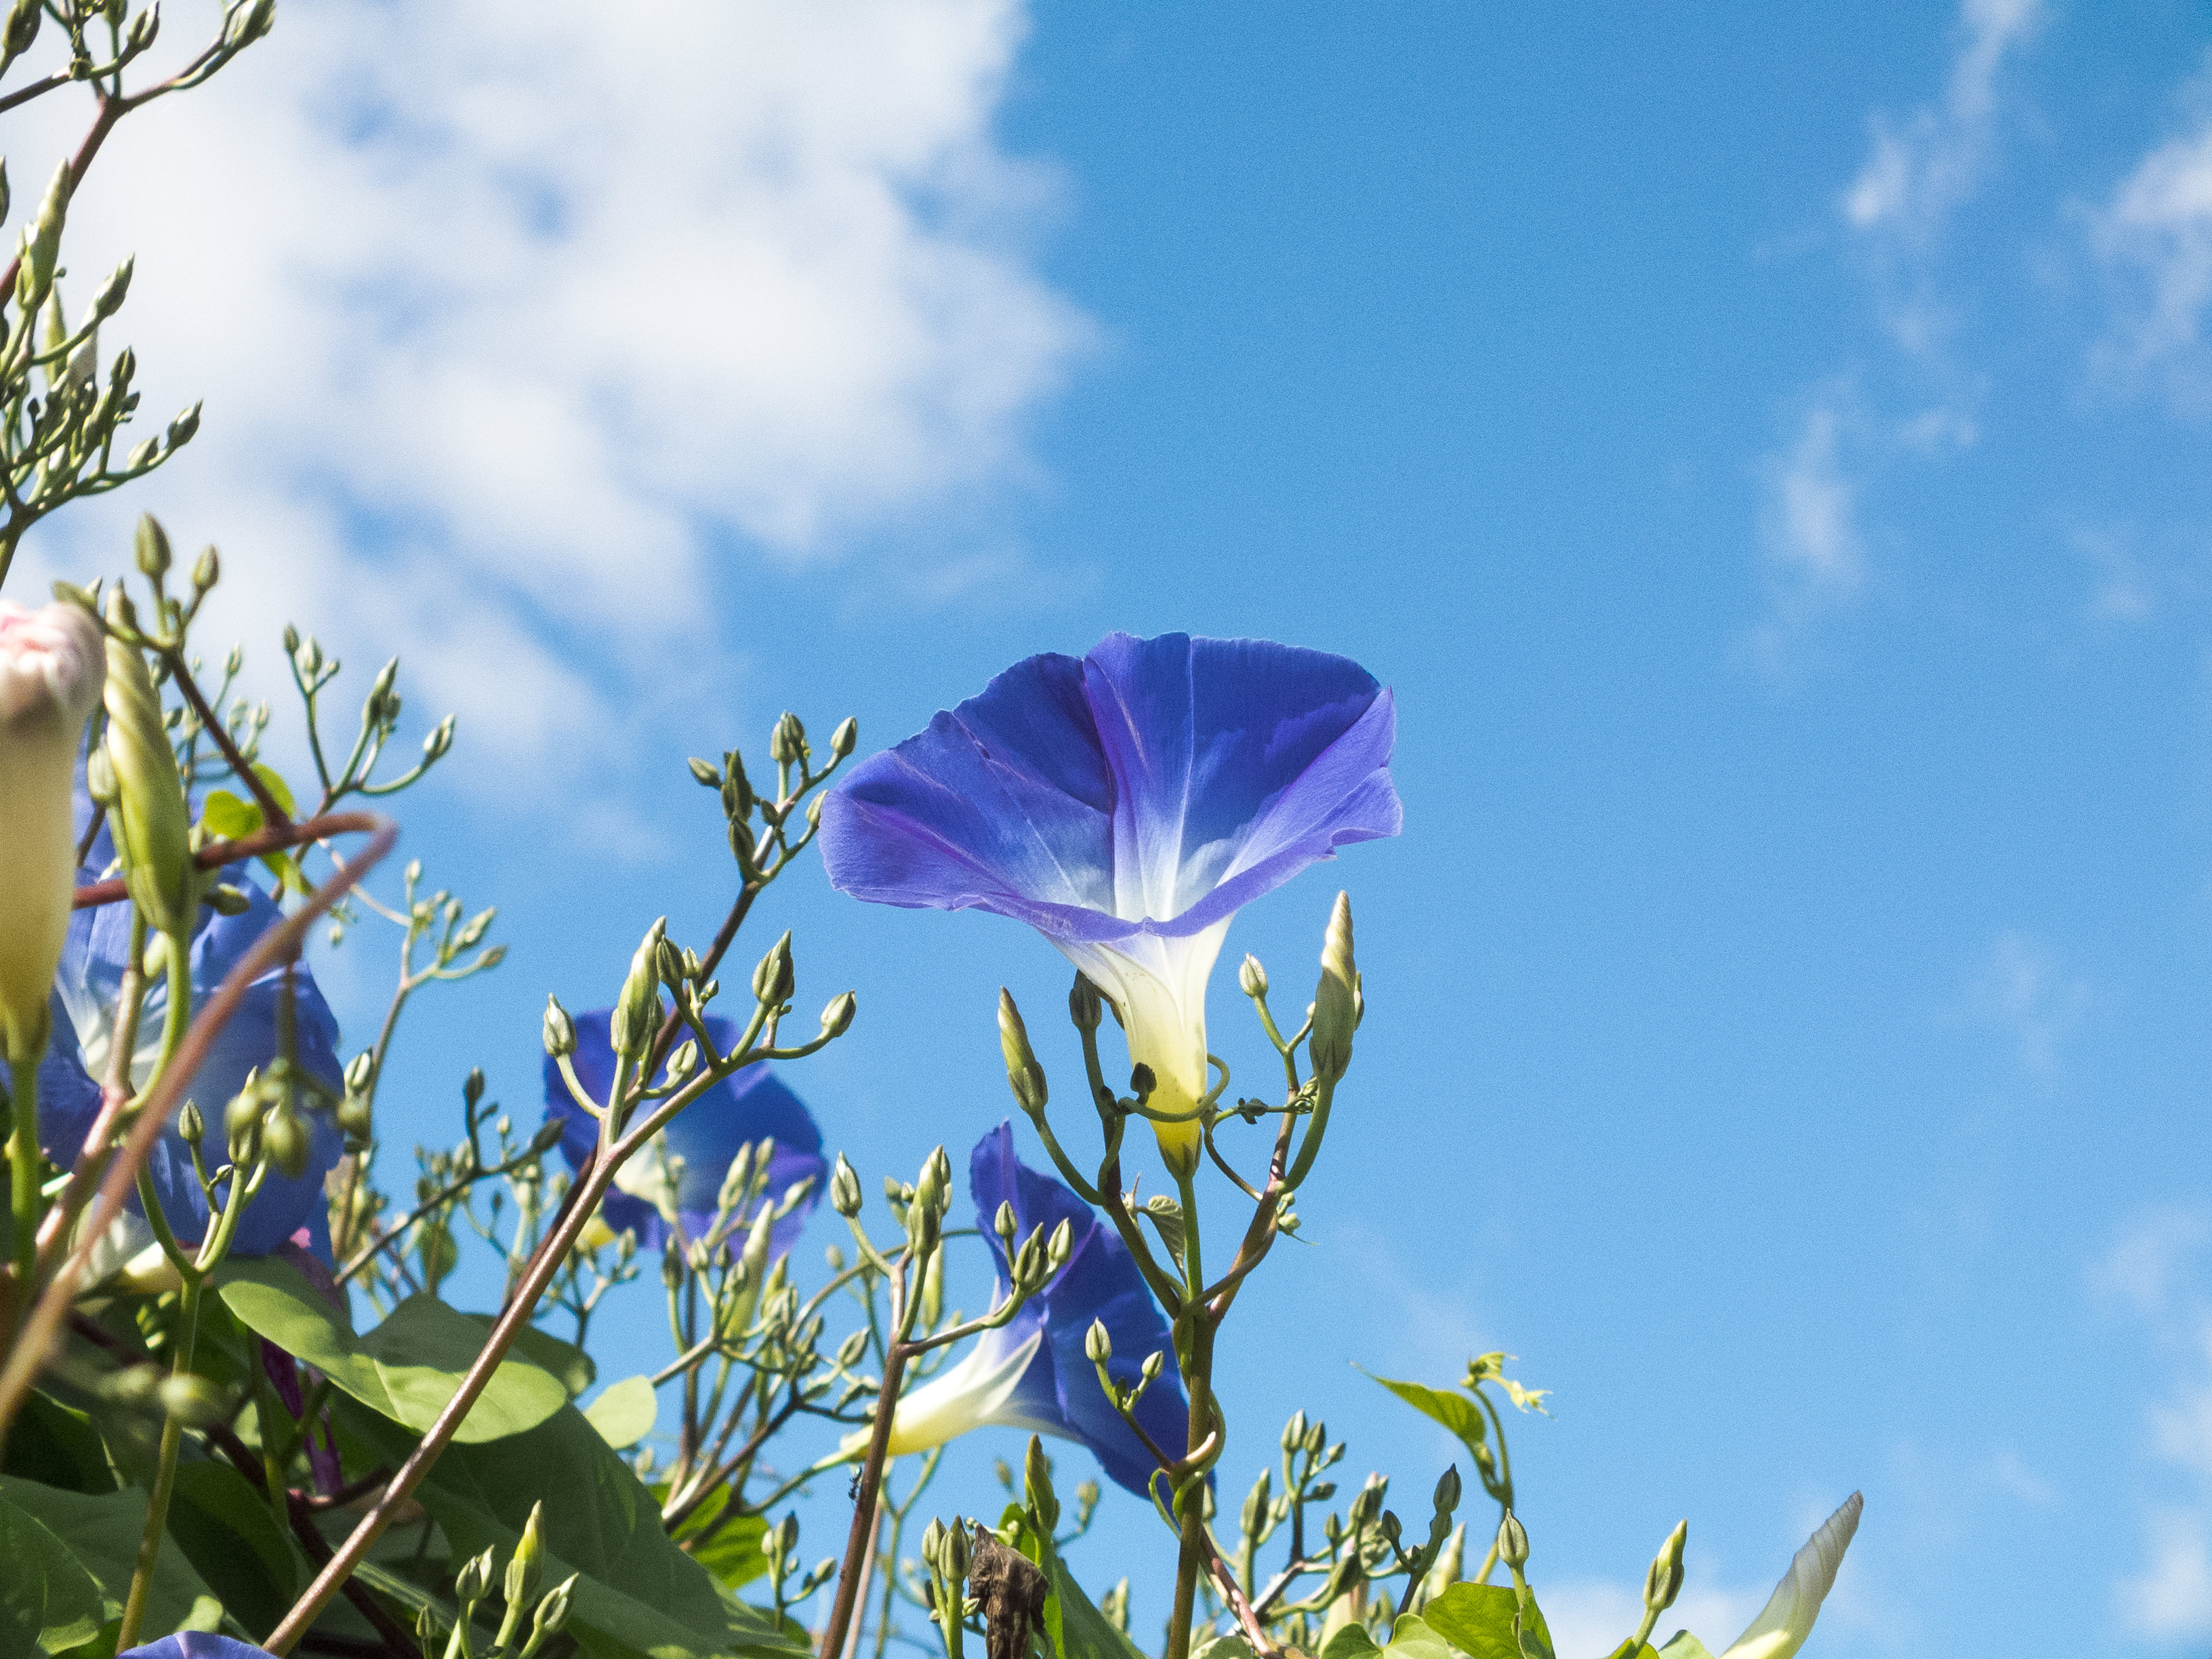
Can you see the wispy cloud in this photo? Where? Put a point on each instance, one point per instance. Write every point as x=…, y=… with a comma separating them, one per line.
x=1815, y=561
x=1920, y=169
x=2154, y=1270
x=523, y=325
x=2026, y=991
x=2153, y=237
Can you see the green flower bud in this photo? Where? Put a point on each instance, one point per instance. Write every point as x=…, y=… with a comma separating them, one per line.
x=1153, y=1363
x=837, y=1018
x=473, y=1581
x=933, y=1541
x=1097, y=1343
x=1083, y=1005
x=559, y=1029
x=788, y=741
x=1663, y=1580
x=284, y=1142
x=152, y=548
x=775, y=979
x=153, y=825
x=22, y=29
x=953, y=1555
x=553, y=1611
x=844, y=1189
x=1037, y=1484
x=683, y=1061
x=1059, y=1247
x=637, y=1012
x=1512, y=1541
x=207, y=571
x=191, y=1125
x=846, y=738
x=703, y=773
x=1023, y=1075
x=1251, y=977
x=1294, y=1432
x=529, y=1560
x=1336, y=1014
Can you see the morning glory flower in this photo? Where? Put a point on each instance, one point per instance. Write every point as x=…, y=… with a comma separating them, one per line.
x=195, y=1644
x=707, y=1136
x=87, y=986
x=1126, y=805
x=1032, y=1373
x=1781, y=1628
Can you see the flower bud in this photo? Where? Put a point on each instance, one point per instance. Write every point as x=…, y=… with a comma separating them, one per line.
x=933, y=1541
x=42, y=241
x=473, y=1581
x=788, y=741
x=1251, y=977
x=1083, y=1004
x=1059, y=1247
x=1036, y=1487
x=1256, y=1503
x=637, y=1013
x=559, y=1029
x=1023, y=1075
x=775, y=979
x=284, y=1142
x=837, y=1018
x=1097, y=1343
x=153, y=825
x=1294, y=1432
x=1663, y=1580
x=844, y=1189
x=1335, y=1013
x=51, y=666
x=529, y=1560
x=953, y=1554
x=1512, y=1541
x=1154, y=1362
x=553, y=1611
x=846, y=738
x=22, y=29
x=1448, y=1490
x=151, y=547
x=703, y=773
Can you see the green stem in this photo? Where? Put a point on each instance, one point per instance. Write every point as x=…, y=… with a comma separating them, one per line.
x=25, y=1163
x=165, y=1480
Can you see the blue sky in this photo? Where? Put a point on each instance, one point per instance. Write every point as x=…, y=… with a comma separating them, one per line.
x=1764, y=447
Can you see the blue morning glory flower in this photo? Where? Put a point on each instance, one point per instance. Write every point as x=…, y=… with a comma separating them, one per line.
x=87, y=986
x=707, y=1135
x=1031, y=1373
x=196, y=1645
x=1127, y=805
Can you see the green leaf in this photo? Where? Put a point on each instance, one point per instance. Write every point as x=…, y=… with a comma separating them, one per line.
x=1632, y=1649
x=229, y=818
x=1087, y=1633
x=226, y=1531
x=56, y=1446
x=624, y=1414
x=1455, y=1411
x=547, y=1353
x=279, y=791
x=102, y=1535
x=1352, y=1642
x=1412, y=1638
x=639, y=1596
x=407, y=1368
x=731, y=1550
x=1683, y=1645
x=1478, y=1620
x=1231, y=1646
x=48, y=1604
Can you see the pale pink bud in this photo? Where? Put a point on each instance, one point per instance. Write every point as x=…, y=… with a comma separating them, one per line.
x=51, y=667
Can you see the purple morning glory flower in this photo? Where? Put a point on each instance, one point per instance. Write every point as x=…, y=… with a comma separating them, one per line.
x=86, y=988
x=1031, y=1373
x=707, y=1135
x=1126, y=805
x=196, y=1645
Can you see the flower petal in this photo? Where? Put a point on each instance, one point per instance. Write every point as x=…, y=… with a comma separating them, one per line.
x=1781, y=1629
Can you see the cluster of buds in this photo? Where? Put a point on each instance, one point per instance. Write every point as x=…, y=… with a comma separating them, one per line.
x=518, y=1586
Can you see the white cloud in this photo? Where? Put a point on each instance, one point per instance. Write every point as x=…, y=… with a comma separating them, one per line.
x=2125, y=589
x=2154, y=239
x=2026, y=991
x=2154, y=1269
x=1921, y=169
x=524, y=326
x=1815, y=560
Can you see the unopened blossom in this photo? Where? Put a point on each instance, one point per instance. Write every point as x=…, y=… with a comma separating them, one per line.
x=50, y=670
x=1781, y=1629
x=1126, y=804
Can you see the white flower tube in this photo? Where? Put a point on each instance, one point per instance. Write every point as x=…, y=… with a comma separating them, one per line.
x=1781, y=1630
x=51, y=667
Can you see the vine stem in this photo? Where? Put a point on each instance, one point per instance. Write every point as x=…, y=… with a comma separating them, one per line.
x=861, y=1541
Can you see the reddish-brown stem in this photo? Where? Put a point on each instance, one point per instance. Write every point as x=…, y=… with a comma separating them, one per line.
x=218, y=854
x=862, y=1539
x=272, y=814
